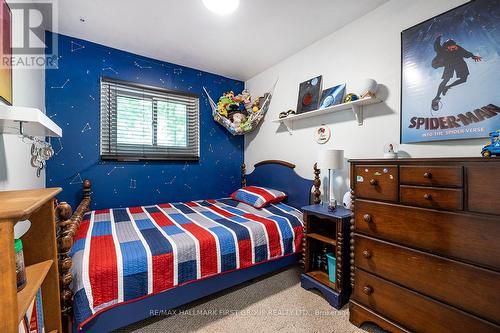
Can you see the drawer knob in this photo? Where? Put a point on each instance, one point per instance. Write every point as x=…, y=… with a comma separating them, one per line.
x=428, y=175
x=373, y=182
x=367, y=218
x=368, y=290
x=367, y=254
x=427, y=196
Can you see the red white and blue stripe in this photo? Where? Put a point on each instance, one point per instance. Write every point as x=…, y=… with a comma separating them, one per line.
x=120, y=255
x=258, y=196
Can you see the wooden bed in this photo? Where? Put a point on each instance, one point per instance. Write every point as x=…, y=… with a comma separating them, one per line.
x=275, y=174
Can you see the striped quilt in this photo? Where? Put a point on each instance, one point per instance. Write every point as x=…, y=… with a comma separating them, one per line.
x=120, y=255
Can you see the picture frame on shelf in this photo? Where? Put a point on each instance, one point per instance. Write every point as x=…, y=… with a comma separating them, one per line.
x=332, y=96
x=309, y=94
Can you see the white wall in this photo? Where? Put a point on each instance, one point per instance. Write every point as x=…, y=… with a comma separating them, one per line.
x=366, y=48
x=16, y=171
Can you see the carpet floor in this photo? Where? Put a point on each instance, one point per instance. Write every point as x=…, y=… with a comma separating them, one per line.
x=275, y=303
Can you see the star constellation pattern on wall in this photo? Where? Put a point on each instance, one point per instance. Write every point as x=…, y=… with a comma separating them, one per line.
x=75, y=46
x=61, y=86
x=72, y=99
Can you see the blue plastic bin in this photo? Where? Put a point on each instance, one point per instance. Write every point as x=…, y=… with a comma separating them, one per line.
x=332, y=267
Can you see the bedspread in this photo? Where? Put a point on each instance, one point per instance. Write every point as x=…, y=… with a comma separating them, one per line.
x=121, y=255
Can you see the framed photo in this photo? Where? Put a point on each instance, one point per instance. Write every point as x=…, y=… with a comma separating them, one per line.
x=332, y=96
x=449, y=75
x=309, y=94
x=5, y=53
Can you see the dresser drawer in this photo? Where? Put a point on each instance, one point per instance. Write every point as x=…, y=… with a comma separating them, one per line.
x=431, y=175
x=418, y=313
x=376, y=182
x=473, y=238
x=432, y=197
x=484, y=189
x=443, y=279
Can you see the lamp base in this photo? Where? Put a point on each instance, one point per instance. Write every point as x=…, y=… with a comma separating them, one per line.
x=332, y=205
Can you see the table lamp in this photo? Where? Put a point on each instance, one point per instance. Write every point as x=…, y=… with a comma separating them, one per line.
x=331, y=159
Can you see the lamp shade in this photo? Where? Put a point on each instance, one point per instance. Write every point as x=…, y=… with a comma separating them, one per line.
x=331, y=159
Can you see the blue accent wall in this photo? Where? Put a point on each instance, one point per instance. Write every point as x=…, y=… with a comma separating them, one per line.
x=72, y=101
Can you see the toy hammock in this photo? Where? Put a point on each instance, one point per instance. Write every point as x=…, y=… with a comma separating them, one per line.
x=252, y=119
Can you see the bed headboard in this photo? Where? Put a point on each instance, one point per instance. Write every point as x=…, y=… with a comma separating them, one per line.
x=280, y=175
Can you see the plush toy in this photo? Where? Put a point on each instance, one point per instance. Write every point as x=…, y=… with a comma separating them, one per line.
x=247, y=100
x=227, y=104
x=244, y=100
x=246, y=126
x=256, y=105
x=237, y=118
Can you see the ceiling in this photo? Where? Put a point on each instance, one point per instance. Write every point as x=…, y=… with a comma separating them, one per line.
x=255, y=37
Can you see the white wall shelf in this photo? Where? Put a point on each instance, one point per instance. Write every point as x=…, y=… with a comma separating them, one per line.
x=356, y=107
x=27, y=121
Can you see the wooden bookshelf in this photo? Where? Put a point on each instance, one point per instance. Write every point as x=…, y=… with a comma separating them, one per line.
x=35, y=275
x=40, y=258
x=325, y=232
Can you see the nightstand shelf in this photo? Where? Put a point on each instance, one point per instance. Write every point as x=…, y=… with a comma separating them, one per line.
x=322, y=238
x=327, y=232
x=322, y=277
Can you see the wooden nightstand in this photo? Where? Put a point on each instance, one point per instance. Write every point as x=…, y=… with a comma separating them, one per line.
x=325, y=230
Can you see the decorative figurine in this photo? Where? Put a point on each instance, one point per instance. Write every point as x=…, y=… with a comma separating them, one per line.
x=389, y=151
x=369, y=89
x=285, y=114
x=350, y=98
x=492, y=149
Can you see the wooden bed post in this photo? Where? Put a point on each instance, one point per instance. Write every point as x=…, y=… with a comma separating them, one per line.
x=67, y=224
x=316, y=201
x=317, y=184
x=243, y=175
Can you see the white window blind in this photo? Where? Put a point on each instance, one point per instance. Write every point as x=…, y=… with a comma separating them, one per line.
x=147, y=123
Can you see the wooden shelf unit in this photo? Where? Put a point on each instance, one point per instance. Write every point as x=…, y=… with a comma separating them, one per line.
x=327, y=229
x=40, y=257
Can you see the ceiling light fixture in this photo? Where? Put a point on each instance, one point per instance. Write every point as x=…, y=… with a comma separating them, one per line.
x=222, y=7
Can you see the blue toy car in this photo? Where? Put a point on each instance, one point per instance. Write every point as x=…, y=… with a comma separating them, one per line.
x=492, y=149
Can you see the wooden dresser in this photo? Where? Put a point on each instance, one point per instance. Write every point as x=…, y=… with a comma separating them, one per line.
x=425, y=244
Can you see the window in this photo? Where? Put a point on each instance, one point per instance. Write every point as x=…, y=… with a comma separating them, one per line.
x=147, y=123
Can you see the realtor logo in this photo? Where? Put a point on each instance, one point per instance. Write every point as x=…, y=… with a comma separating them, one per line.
x=23, y=34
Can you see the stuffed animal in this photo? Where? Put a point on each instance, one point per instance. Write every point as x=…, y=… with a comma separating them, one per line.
x=237, y=118
x=226, y=104
x=244, y=100
x=256, y=105
x=246, y=126
x=247, y=100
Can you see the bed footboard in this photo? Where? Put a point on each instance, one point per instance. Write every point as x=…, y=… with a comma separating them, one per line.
x=67, y=224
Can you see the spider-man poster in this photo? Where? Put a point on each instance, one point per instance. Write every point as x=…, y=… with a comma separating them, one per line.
x=451, y=75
